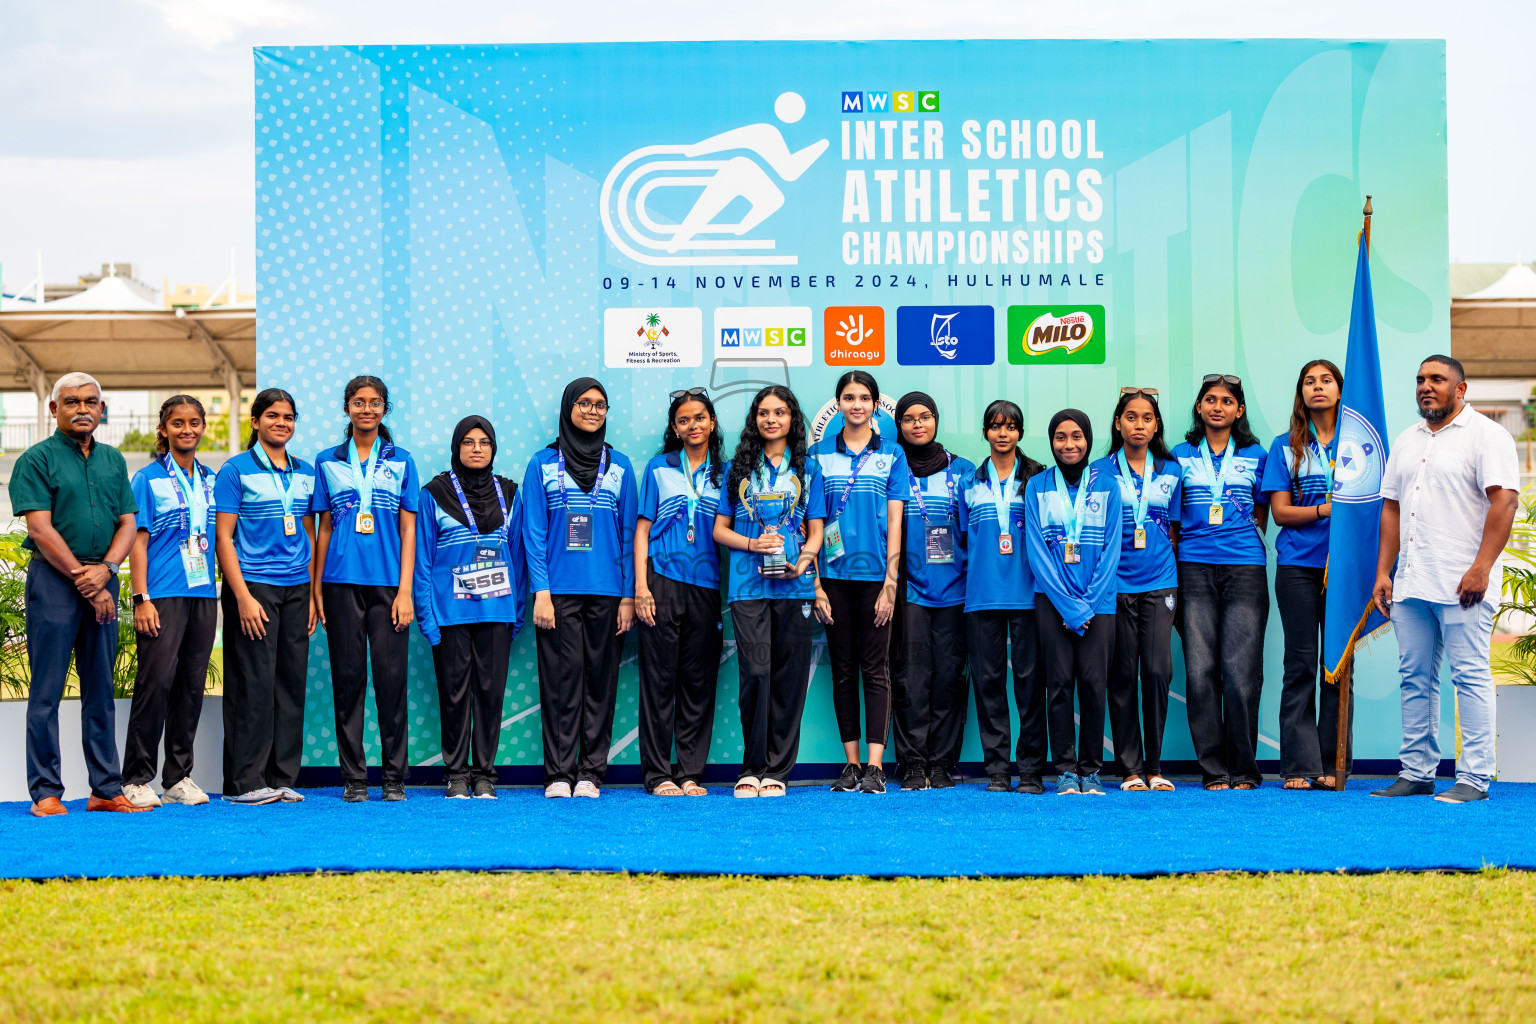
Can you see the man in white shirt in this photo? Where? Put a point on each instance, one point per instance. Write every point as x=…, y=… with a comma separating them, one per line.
x=1451, y=487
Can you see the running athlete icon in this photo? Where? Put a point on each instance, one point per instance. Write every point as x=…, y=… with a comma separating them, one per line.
x=719, y=183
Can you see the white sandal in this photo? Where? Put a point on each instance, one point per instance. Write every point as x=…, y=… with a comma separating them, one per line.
x=668, y=788
x=1160, y=784
x=747, y=787
x=1134, y=784
x=771, y=787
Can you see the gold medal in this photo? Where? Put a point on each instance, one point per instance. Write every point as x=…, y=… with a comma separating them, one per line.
x=365, y=522
x=1004, y=544
x=1140, y=538
x=1070, y=554
x=290, y=525
x=1215, y=517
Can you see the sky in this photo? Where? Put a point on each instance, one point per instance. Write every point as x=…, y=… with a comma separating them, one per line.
x=129, y=122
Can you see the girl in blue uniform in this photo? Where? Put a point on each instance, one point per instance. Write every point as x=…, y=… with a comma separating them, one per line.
x=1148, y=584
x=1298, y=477
x=677, y=596
x=1072, y=528
x=928, y=672
x=864, y=481
x=265, y=544
x=1223, y=582
x=470, y=584
x=175, y=607
x=365, y=505
x=770, y=518
x=579, y=531
x=1000, y=603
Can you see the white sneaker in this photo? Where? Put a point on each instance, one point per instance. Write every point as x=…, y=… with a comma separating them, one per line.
x=557, y=789
x=587, y=787
x=141, y=796
x=185, y=792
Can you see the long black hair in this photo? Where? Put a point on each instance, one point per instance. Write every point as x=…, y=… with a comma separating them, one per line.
x=671, y=442
x=749, y=447
x=264, y=401
x=859, y=377
x=1299, y=433
x=162, y=439
x=1005, y=412
x=357, y=384
x=1242, y=433
x=1157, y=447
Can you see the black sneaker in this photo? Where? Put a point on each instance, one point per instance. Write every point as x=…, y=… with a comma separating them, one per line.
x=458, y=789
x=849, y=780
x=394, y=792
x=1405, y=787
x=1000, y=783
x=913, y=778
x=485, y=789
x=1031, y=785
x=874, y=780
x=355, y=792
x=939, y=777
x=1461, y=793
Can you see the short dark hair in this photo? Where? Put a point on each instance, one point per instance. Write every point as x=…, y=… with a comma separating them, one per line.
x=1453, y=364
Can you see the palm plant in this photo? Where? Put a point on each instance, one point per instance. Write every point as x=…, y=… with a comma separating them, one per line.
x=1519, y=593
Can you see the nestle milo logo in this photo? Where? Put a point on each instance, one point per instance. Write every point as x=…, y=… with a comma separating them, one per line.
x=1055, y=334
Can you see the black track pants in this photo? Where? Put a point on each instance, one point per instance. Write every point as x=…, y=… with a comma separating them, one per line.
x=471, y=663
x=358, y=630
x=1076, y=671
x=578, y=681
x=773, y=648
x=168, y=689
x=996, y=640
x=928, y=688
x=679, y=671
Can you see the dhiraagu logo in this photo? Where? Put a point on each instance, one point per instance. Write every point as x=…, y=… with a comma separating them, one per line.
x=1055, y=334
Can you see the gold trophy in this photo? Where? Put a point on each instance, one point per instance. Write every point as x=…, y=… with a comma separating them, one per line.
x=773, y=510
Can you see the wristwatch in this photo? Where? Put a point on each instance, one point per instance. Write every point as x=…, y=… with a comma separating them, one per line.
x=111, y=565
x=139, y=599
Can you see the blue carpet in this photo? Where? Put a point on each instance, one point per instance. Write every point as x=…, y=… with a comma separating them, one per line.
x=812, y=831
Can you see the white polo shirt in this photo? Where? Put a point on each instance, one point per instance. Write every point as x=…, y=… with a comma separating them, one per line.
x=1440, y=480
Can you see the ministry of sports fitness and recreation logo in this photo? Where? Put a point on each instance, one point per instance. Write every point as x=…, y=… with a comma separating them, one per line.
x=1361, y=462
x=697, y=182
x=666, y=337
x=1055, y=334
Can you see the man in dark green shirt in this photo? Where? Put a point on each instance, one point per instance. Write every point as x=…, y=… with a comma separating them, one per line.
x=79, y=508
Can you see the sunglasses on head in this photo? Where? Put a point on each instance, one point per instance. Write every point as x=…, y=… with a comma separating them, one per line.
x=1222, y=378
x=1150, y=394
x=689, y=393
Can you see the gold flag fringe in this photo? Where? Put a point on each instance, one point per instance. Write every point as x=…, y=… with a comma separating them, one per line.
x=1346, y=660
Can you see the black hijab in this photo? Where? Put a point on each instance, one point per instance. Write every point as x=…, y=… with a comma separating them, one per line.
x=478, y=484
x=923, y=459
x=583, y=451
x=1072, y=473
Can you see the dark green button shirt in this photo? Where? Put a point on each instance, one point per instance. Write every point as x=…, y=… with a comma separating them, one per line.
x=85, y=495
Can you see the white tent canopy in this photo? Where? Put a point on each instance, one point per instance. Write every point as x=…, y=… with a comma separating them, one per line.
x=1518, y=282
x=110, y=293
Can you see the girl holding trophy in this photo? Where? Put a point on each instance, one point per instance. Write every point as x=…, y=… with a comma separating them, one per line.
x=770, y=519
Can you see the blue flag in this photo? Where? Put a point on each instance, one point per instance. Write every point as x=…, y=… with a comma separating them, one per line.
x=1353, y=532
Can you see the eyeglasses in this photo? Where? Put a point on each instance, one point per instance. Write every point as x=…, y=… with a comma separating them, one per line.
x=477, y=443
x=1222, y=378
x=358, y=403
x=586, y=406
x=1148, y=393
x=917, y=421
x=689, y=393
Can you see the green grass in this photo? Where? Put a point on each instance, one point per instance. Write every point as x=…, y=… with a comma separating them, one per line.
x=462, y=947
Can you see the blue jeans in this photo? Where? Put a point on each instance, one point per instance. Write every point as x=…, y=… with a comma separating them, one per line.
x=1425, y=632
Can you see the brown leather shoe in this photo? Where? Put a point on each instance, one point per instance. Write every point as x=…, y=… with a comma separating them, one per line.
x=118, y=803
x=47, y=807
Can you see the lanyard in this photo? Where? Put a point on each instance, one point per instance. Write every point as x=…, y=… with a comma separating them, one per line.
x=689, y=489
x=469, y=514
x=949, y=482
x=282, y=481
x=362, y=474
x=768, y=473
x=1072, y=509
x=188, y=496
x=1145, y=500
x=1001, y=499
x=853, y=475
x=1218, y=482
x=597, y=484
x=1325, y=451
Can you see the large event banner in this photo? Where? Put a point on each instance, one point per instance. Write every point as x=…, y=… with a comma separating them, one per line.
x=1046, y=221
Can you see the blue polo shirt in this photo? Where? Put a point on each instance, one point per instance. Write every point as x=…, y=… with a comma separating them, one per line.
x=608, y=569
x=1087, y=587
x=249, y=490
x=936, y=584
x=882, y=478
x=744, y=582
x=364, y=559
x=1307, y=485
x=994, y=581
x=1237, y=540
x=664, y=501
x=444, y=544
x=1153, y=567
x=166, y=517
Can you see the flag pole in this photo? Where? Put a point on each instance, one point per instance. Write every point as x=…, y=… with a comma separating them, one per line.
x=1346, y=677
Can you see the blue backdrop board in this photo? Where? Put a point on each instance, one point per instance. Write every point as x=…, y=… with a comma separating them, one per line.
x=1045, y=221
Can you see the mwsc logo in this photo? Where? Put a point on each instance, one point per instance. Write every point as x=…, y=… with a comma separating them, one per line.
x=909, y=102
x=1055, y=334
